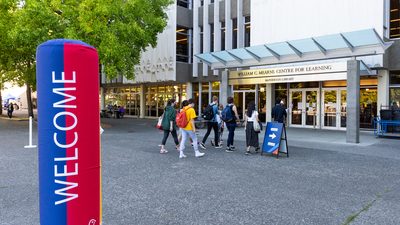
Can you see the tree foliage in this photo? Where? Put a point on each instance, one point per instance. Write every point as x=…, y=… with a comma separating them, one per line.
x=119, y=29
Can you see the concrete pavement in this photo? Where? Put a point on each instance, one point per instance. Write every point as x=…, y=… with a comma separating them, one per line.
x=324, y=181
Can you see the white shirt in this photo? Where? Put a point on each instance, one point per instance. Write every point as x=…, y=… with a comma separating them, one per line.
x=253, y=116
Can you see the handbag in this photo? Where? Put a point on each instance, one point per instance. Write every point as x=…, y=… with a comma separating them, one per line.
x=256, y=124
x=159, y=123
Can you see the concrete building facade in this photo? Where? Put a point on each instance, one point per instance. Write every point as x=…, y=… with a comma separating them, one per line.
x=176, y=68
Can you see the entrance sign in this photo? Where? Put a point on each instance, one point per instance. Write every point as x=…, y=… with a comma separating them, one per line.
x=68, y=133
x=275, y=139
x=298, y=73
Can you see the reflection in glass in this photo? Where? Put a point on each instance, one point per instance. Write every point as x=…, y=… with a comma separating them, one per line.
x=238, y=101
x=311, y=108
x=297, y=106
x=249, y=96
x=262, y=107
x=368, y=104
x=330, y=108
x=343, y=106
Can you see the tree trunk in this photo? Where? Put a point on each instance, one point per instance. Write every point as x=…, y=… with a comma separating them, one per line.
x=29, y=100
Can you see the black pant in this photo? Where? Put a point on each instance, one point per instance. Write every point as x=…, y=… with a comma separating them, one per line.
x=214, y=126
x=174, y=135
x=9, y=113
x=231, y=135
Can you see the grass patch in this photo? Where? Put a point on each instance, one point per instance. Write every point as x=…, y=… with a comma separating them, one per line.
x=353, y=216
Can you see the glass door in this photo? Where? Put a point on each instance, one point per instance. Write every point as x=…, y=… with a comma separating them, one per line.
x=296, y=105
x=304, y=107
x=248, y=97
x=330, y=108
x=238, y=99
x=343, y=108
x=334, y=108
x=311, y=108
x=241, y=99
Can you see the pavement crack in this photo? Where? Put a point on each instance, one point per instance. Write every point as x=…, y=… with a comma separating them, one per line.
x=353, y=216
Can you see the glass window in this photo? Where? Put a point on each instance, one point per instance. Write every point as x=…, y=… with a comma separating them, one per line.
x=262, y=100
x=394, y=19
x=223, y=36
x=212, y=38
x=244, y=87
x=182, y=44
x=183, y=3
x=368, y=107
x=215, y=86
x=281, y=92
x=201, y=39
x=394, y=97
x=395, y=79
x=204, y=87
x=305, y=85
x=247, y=31
x=234, y=33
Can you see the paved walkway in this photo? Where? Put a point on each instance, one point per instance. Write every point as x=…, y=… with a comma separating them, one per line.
x=325, y=181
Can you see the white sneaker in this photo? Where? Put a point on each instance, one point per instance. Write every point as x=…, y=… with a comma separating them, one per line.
x=182, y=156
x=199, y=154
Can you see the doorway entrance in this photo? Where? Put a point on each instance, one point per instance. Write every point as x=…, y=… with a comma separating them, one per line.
x=334, y=108
x=241, y=99
x=304, y=107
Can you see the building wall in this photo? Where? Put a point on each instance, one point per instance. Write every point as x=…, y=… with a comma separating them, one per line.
x=283, y=20
x=159, y=64
x=393, y=56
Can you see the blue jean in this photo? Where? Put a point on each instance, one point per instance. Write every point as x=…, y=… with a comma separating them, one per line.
x=185, y=135
x=231, y=128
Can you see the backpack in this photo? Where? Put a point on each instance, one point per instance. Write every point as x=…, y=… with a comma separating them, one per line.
x=181, y=119
x=227, y=114
x=208, y=113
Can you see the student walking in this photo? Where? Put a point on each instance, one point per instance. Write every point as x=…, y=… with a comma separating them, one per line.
x=10, y=110
x=169, y=125
x=230, y=116
x=211, y=113
x=251, y=118
x=189, y=130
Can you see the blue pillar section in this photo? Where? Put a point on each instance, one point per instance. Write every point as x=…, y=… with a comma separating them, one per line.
x=50, y=59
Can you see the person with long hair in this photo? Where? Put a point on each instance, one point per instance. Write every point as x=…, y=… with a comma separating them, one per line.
x=190, y=130
x=251, y=117
x=231, y=125
x=169, y=124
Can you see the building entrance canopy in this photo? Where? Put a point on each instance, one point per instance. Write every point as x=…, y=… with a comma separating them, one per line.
x=341, y=45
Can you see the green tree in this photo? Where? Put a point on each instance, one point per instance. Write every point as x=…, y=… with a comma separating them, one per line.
x=5, y=22
x=119, y=30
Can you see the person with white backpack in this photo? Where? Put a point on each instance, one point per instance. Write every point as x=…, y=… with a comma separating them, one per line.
x=252, y=128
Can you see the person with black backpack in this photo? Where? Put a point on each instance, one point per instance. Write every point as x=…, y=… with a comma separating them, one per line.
x=230, y=116
x=210, y=114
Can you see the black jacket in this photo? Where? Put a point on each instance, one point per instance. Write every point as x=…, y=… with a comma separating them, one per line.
x=278, y=113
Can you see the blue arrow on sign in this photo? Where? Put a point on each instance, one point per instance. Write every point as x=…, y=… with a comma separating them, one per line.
x=272, y=137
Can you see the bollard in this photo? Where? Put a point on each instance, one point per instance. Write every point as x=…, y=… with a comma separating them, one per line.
x=30, y=135
x=68, y=133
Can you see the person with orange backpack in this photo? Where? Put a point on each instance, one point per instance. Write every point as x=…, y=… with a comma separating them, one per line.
x=185, y=120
